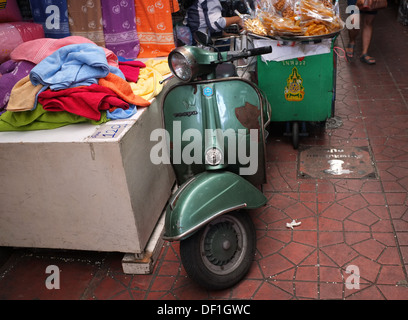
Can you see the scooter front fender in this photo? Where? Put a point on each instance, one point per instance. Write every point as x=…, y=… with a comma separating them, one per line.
x=205, y=197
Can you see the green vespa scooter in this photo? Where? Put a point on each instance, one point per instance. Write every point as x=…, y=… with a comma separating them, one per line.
x=215, y=123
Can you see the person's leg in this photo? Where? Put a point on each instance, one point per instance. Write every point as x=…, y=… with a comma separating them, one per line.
x=366, y=34
x=353, y=30
x=353, y=33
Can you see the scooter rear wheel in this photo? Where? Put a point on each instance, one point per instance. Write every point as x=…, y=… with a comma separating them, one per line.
x=219, y=255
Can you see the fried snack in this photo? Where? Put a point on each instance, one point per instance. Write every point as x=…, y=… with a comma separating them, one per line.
x=316, y=28
x=294, y=18
x=312, y=9
x=328, y=4
x=279, y=5
x=255, y=26
x=281, y=26
x=288, y=12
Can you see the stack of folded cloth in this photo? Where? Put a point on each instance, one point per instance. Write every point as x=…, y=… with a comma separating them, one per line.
x=55, y=81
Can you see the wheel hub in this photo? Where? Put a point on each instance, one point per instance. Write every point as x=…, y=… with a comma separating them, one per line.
x=221, y=243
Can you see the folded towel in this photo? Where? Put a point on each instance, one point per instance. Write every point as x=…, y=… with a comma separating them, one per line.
x=83, y=101
x=70, y=66
x=131, y=69
x=123, y=90
x=12, y=72
x=37, y=50
x=119, y=113
x=160, y=65
x=39, y=119
x=23, y=95
x=149, y=84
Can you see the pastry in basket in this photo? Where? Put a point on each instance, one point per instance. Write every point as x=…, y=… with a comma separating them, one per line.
x=255, y=26
x=312, y=9
x=281, y=26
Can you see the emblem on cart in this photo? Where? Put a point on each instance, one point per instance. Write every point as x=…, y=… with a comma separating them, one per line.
x=294, y=91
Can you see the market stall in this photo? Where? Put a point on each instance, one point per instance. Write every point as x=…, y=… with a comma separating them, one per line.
x=299, y=75
x=75, y=125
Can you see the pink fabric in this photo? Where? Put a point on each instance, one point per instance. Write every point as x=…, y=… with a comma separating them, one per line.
x=36, y=50
x=29, y=30
x=15, y=33
x=10, y=38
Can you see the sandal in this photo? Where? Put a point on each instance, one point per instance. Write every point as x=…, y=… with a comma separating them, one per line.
x=367, y=59
x=350, y=50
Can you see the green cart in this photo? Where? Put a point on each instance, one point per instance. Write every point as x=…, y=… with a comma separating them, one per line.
x=300, y=90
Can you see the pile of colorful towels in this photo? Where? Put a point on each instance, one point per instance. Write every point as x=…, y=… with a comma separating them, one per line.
x=49, y=83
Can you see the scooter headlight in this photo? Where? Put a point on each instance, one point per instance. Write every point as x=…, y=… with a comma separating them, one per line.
x=183, y=64
x=213, y=156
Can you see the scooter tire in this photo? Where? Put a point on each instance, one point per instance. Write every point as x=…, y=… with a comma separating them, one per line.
x=220, y=254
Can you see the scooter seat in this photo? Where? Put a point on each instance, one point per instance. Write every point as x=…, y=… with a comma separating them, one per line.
x=226, y=70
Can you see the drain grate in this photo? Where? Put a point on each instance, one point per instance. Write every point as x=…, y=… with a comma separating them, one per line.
x=336, y=163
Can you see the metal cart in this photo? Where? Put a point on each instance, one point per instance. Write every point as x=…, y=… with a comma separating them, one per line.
x=300, y=90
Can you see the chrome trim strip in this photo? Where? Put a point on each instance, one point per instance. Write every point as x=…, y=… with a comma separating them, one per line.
x=192, y=230
x=179, y=190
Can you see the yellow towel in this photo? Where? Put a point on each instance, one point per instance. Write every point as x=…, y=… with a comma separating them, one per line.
x=22, y=96
x=148, y=86
x=161, y=65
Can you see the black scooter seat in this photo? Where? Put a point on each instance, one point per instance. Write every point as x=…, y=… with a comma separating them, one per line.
x=226, y=70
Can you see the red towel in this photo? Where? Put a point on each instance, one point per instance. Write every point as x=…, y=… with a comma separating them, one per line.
x=85, y=101
x=131, y=69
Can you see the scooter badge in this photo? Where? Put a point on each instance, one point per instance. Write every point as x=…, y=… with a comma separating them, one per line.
x=208, y=91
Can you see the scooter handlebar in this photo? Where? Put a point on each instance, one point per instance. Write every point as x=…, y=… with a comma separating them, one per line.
x=259, y=51
x=234, y=55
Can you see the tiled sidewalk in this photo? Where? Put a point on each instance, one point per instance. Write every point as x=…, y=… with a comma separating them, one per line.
x=345, y=222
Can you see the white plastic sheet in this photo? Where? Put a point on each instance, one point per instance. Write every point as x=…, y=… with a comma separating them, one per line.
x=286, y=50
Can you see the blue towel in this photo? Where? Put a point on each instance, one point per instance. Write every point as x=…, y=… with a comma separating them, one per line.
x=71, y=66
x=120, y=113
x=53, y=16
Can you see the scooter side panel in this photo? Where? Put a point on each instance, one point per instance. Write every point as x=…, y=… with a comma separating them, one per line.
x=205, y=197
x=232, y=106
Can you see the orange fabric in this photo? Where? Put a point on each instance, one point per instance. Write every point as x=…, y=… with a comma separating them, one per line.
x=123, y=90
x=155, y=27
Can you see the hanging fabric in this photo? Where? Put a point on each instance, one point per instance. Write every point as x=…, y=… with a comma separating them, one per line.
x=155, y=27
x=85, y=19
x=53, y=16
x=119, y=24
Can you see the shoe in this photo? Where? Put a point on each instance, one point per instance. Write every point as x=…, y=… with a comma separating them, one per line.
x=367, y=59
x=350, y=52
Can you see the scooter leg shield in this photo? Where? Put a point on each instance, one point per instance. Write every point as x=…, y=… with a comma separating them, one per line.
x=205, y=197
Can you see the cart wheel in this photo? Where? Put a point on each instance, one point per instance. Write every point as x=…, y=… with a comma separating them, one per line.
x=295, y=134
x=220, y=254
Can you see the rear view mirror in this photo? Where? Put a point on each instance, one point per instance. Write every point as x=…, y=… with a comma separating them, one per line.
x=203, y=38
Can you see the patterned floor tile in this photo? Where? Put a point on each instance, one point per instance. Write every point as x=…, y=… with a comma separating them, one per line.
x=352, y=243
